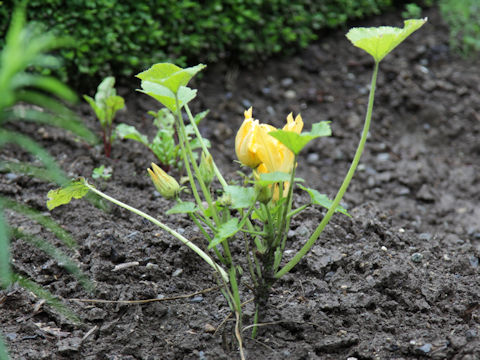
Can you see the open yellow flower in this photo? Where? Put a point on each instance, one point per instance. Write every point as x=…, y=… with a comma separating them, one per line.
x=256, y=149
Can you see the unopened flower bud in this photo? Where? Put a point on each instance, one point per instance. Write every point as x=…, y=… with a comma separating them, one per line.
x=206, y=168
x=166, y=185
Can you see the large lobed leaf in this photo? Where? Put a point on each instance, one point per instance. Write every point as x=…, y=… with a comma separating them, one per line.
x=379, y=41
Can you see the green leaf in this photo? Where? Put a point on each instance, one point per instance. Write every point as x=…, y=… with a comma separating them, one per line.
x=64, y=195
x=225, y=230
x=125, y=131
x=169, y=75
x=322, y=200
x=241, y=197
x=5, y=271
x=115, y=103
x=99, y=112
x=185, y=95
x=105, y=90
x=275, y=177
x=379, y=41
x=183, y=208
x=160, y=93
x=296, y=142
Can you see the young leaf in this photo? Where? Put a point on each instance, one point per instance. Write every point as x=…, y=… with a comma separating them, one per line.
x=64, y=195
x=322, y=200
x=125, y=131
x=114, y=103
x=105, y=90
x=99, y=112
x=183, y=208
x=379, y=41
x=241, y=197
x=185, y=95
x=160, y=93
x=169, y=75
x=226, y=230
x=296, y=142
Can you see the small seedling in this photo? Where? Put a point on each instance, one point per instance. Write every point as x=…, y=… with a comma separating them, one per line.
x=106, y=104
x=102, y=172
x=164, y=144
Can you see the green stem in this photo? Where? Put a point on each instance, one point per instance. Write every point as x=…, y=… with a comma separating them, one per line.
x=297, y=210
x=298, y=256
x=285, y=224
x=205, y=190
x=204, y=147
x=182, y=140
x=172, y=232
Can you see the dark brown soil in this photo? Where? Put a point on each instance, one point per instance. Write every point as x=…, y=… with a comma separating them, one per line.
x=400, y=280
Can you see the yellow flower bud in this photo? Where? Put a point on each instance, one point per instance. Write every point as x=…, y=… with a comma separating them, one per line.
x=166, y=185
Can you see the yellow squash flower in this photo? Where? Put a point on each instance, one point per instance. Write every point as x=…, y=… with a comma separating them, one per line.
x=245, y=139
x=256, y=149
x=166, y=185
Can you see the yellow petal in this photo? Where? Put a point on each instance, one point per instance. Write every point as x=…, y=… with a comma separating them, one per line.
x=272, y=153
x=248, y=113
x=244, y=139
x=294, y=125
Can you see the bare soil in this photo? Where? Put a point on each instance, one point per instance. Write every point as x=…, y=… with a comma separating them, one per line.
x=398, y=280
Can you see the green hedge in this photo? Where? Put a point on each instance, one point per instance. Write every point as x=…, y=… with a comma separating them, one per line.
x=123, y=37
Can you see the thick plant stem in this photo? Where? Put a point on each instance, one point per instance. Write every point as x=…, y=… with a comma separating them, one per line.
x=172, y=232
x=308, y=245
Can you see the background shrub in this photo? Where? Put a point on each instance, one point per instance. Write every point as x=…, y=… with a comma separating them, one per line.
x=121, y=38
x=463, y=19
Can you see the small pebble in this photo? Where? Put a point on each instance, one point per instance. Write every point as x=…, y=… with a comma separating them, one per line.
x=11, y=336
x=196, y=299
x=471, y=334
x=177, y=272
x=246, y=103
x=425, y=236
x=384, y=248
x=425, y=348
x=126, y=265
x=290, y=94
x=286, y=82
x=11, y=176
x=313, y=158
x=446, y=257
x=473, y=261
x=209, y=328
x=383, y=157
x=417, y=257
x=352, y=358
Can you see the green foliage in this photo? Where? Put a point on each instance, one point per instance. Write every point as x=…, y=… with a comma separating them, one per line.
x=102, y=172
x=412, y=10
x=163, y=144
x=463, y=18
x=380, y=41
x=120, y=38
x=106, y=104
x=26, y=49
x=296, y=142
x=62, y=196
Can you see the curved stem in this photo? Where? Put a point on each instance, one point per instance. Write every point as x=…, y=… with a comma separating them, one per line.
x=298, y=256
x=172, y=232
